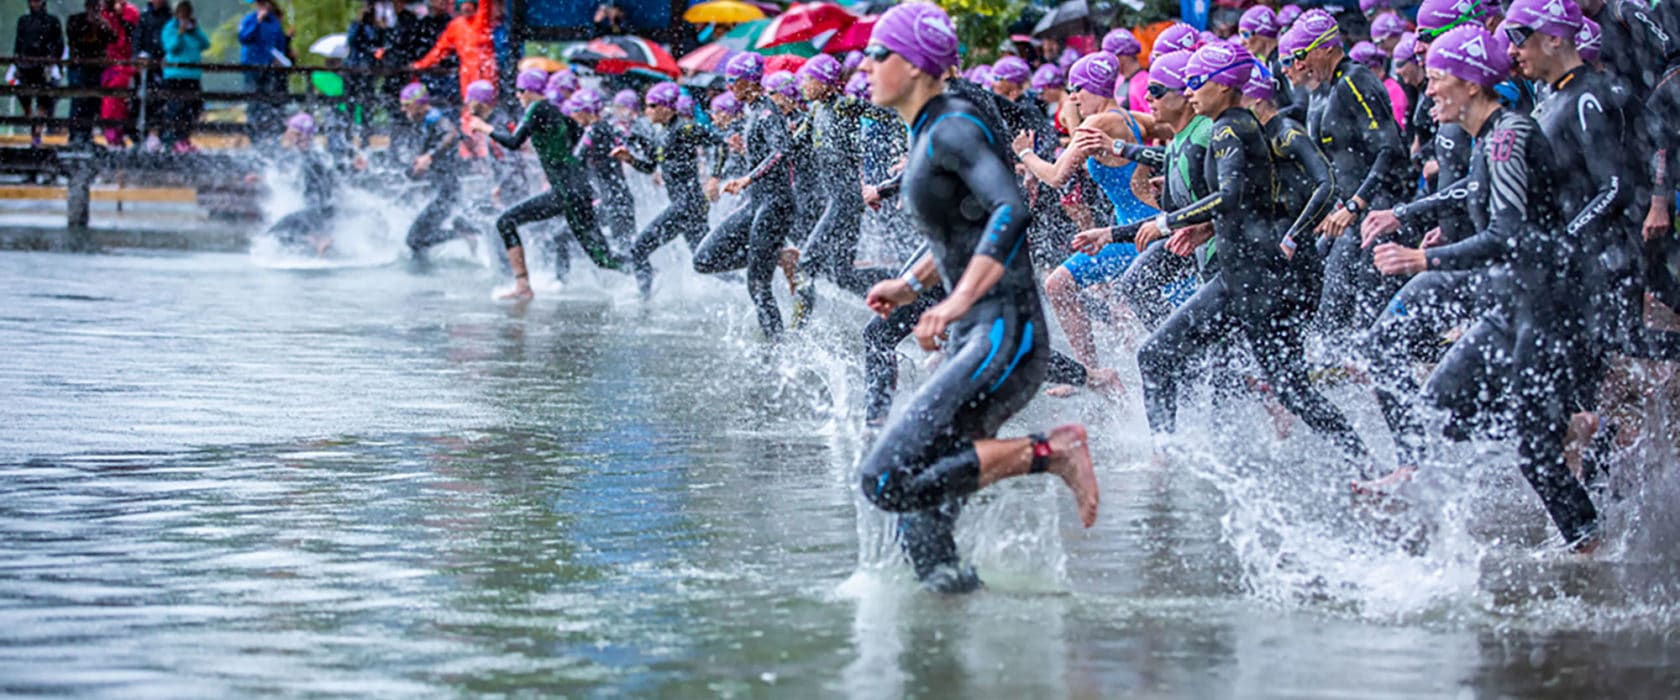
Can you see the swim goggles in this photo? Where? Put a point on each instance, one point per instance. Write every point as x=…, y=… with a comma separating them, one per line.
x=1518, y=33
x=877, y=52
x=1195, y=82
x=1300, y=54
x=1158, y=91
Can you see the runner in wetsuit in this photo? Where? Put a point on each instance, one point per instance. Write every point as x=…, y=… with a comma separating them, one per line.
x=1092, y=81
x=1258, y=28
x=1354, y=126
x=676, y=157
x=1305, y=184
x=1180, y=163
x=302, y=230
x=554, y=137
x=1636, y=47
x=614, y=207
x=752, y=236
x=943, y=448
x=1256, y=294
x=833, y=131
x=1514, y=200
x=437, y=161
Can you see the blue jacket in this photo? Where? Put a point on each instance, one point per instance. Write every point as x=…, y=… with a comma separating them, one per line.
x=183, y=48
x=259, y=41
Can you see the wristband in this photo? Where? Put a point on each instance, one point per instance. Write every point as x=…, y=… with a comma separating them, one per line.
x=1161, y=224
x=1022, y=154
x=915, y=282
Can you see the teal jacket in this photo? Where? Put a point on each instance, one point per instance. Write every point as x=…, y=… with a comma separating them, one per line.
x=182, y=48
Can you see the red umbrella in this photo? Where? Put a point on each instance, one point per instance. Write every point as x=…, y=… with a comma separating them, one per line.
x=706, y=59
x=802, y=22
x=614, y=55
x=787, y=62
x=852, y=38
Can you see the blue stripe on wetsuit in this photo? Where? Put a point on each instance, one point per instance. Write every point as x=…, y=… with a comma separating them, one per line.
x=1026, y=345
x=996, y=336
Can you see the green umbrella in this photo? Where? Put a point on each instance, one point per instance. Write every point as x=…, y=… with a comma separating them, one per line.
x=745, y=38
x=327, y=84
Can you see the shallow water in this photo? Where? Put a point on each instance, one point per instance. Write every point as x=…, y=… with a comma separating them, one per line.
x=220, y=478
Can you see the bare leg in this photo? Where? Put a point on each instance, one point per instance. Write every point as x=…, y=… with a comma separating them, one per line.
x=521, y=276
x=1069, y=458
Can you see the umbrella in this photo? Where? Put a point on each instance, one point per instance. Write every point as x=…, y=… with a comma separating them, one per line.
x=852, y=38
x=803, y=22
x=706, y=59
x=787, y=62
x=546, y=64
x=722, y=12
x=617, y=55
x=870, y=7
x=745, y=38
x=331, y=46
x=1069, y=18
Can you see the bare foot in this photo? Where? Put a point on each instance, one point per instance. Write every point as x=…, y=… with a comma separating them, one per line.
x=521, y=292
x=1582, y=427
x=1070, y=459
x=1586, y=546
x=1283, y=422
x=1061, y=391
x=789, y=262
x=1385, y=484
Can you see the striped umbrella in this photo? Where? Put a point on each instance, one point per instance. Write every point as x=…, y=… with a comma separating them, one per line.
x=706, y=59
x=746, y=38
x=616, y=55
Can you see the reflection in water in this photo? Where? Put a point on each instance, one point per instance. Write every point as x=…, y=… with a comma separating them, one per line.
x=220, y=480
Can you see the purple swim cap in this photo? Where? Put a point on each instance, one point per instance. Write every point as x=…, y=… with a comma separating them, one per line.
x=1121, y=42
x=1168, y=70
x=921, y=33
x=1260, y=20
x=725, y=103
x=1095, y=74
x=481, y=92
x=1366, y=7
x=1406, y=48
x=1048, y=76
x=685, y=104
x=1435, y=14
x=1469, y=53
x=1590, y=40
x=824, y=69
x=586, y=100
x=744, y=66
x=1559, y=18
x=531, y=80
x=1315, y=27
x=564, y=82
x=858, y=86
x=1260, y=85
x=853, y=60
x=781, y=83
x=664, y=95
x=1069, y=56
x=1178, y=37
x=302, y=123
x=627, y=99
x=1386, y=26
x=979, y=75
x=1287, y=15
x=1224, y=63
x=1011, y=69
x=413, y=93
x=1367, y=53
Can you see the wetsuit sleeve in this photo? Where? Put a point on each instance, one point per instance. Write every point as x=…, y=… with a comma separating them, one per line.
x=890, y=186
x=1300, y=147
x=1231, y=163
x=1614, y=192
x=778, y=141
x=1148, y=156
x=961, y=145
x=1508, y=178
x=1379, y=133
x=645, y=166
x=446, y=140
x=522, y=133
x=1648, y=42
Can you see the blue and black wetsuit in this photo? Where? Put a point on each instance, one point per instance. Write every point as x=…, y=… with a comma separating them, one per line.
x=677, y=157
x=1255, y=295
x=960, y=187
x=1354, y=126
x=616, y=208
x=753, y=235
x=554, y=137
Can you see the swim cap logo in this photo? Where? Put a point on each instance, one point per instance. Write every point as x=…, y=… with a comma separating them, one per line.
x=1474, y=48
x=935, y=34
x=1555, y=8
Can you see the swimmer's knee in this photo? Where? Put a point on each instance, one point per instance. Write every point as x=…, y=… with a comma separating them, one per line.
x=509, y=231
x=1060, y=284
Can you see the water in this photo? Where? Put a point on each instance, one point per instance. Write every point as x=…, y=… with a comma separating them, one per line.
x=218, y=478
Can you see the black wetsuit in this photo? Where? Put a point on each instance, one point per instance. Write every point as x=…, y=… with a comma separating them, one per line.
x=1354, y=126
x=677, y=156
x=1052, y=231
x=1663, y=108
x=752, y=236
x=1180, y=164
x=960, y=187
x=1291, y=103
x=615, y=207
x=554, y=137
x=1537, y=345
x=1257, y=293
x=1635, y=45
x=833, y=131
x=319, y=192
x=435, y=135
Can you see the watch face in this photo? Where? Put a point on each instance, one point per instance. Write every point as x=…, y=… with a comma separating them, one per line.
x=1352, y=206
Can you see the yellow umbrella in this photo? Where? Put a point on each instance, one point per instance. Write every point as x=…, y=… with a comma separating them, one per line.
x=548, y=65
x=722, y=12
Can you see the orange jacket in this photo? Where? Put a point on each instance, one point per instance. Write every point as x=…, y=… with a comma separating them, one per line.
x=469, y=39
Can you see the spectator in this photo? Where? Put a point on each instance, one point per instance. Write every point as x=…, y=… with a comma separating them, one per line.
x=262, y=43
x=148, y=42
x=183, y=42
x=609, y=18
x=124, y=20
x=87, y=34
x=474, y=41
x=39, y=35
x=466, y=8
x=441, y=84
x=368, y=40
